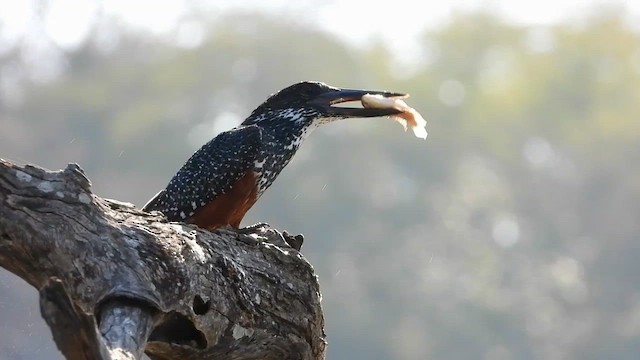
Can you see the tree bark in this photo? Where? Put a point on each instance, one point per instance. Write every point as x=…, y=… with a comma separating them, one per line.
x=116, y=282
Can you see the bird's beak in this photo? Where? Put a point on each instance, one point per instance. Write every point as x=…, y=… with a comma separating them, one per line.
x=330, y=98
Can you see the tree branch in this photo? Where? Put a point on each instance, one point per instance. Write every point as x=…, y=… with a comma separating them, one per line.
x=170, y=289
x=125, y=328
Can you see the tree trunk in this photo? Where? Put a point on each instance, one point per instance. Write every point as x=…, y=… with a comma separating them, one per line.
x=116, y=282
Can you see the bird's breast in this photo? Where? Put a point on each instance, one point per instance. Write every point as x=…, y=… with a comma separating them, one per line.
x=228, y=208
x=268, y=168
x=278, y=150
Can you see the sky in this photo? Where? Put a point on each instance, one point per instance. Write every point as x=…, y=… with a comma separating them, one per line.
x=69, y=21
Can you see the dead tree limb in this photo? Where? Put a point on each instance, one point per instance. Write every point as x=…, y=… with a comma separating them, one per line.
x=116, y=282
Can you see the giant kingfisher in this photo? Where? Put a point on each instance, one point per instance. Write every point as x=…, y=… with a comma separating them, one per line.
x=225, y=177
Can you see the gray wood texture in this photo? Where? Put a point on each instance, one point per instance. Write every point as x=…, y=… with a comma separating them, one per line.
x=116, y=282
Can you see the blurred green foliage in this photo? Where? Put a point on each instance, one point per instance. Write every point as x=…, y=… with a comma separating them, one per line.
x=512, y=233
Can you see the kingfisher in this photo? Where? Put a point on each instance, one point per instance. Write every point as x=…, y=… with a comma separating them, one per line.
x=222, y=180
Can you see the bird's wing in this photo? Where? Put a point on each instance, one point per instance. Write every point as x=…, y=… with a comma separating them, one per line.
x=211, y=171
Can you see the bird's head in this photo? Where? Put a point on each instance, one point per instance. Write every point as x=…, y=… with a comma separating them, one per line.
x=313, y=103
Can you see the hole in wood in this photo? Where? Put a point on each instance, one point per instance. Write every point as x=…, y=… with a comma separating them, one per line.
x=176, y=328
x=200, y=307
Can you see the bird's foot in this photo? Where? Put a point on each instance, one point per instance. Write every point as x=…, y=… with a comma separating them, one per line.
x=295, y=241
x=255, y=228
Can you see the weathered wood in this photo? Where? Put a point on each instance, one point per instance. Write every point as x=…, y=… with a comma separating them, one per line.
x=192, y=293
x=74, y=332
x=125, y=328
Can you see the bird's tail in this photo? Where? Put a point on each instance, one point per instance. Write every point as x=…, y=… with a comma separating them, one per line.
x=153, y=203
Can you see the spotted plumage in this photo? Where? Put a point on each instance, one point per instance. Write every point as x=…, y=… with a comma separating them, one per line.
x=224, y=178
x=210, y=172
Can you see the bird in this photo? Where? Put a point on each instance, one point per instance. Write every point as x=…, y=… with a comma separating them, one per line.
x=222, y=180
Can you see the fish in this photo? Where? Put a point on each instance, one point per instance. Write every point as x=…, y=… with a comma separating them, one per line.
x=409, y=117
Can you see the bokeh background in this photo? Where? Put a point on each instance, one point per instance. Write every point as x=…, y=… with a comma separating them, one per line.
x=511, y=233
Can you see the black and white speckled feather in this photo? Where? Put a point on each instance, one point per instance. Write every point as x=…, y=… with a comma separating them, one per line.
x=264, y=144
x=210, y=172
